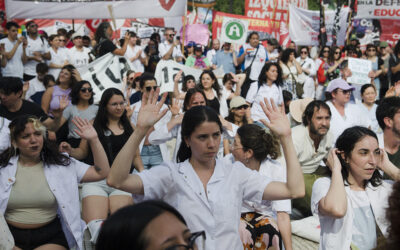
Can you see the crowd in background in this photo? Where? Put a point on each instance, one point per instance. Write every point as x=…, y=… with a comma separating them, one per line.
x=227, y=161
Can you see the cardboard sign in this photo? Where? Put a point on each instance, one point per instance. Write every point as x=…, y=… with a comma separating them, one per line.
x=359, y=69
x=234, y=30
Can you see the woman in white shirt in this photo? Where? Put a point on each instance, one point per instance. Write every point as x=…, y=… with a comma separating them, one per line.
x=269, y=86
x=308, y=66
x=134, y=53
x=368, y=106
x=351, y=204
x=267, y=222
x=39, y=197
x=59, y=57
x=208, y=192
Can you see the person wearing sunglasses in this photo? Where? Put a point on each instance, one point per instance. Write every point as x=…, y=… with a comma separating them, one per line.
x=148, y=225
x=78, y=55
x=37, y=50
x=309, y=70
x=81, y=106
x=344, y=113
x=169, y=49
x=59, y=57
x=377, y=66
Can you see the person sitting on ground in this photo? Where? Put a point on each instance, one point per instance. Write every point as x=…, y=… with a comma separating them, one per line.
x=351, y=202
x=40, y=198
x=265, y=224
x=312, y=141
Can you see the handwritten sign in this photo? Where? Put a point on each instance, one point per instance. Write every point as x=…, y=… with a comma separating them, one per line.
x=359, y=69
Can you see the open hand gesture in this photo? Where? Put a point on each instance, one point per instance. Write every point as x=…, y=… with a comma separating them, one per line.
x=64, y=102
x=84, y=129
x=149, y=112
x=278, y=121
x=175, y=108
x=178, y=76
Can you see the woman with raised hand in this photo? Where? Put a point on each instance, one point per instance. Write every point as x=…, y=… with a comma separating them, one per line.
x=208, y=192
x=114, y=128
x=39, y=198
x=265, y=224
x=351, y=202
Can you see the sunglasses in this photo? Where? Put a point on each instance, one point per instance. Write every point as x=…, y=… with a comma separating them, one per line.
x=337, y=52
x=33, y=26
x=61, y=40
x=326, y=51
x=245, y=106
x=148, y=89
x=170, y=35
x=84, y=90
x=303, y=52
x=345, y=91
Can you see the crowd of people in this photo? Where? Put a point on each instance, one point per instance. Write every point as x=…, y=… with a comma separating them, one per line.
x=222, y=162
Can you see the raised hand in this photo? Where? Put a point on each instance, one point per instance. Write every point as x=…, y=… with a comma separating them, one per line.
x=76, y=75
x=178, y=76
x=64, y=102
x=278, y=121
x=175, y=108
x=149, y=112
x=65, y=147
x=333, y=161
x=84, y=129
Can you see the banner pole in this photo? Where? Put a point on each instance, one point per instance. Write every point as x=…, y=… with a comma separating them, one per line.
x=110, y=9
x=184, y=31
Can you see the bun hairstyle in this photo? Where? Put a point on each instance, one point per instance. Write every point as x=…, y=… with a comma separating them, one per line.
x=262, y=144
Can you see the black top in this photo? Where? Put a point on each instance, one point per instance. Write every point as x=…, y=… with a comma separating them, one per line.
x=105, y=47
x=394, y=61
x=27, y=108
x=214, y=104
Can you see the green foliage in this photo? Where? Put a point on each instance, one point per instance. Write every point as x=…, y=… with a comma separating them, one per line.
x=225, y=6
x=313, y=4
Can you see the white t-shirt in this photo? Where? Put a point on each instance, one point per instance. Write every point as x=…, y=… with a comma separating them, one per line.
x=34, y=45
x=14, y=67
x=259, y=61
x=211, y=54
x=78, y=58
x=34, y=86
x=164, y=47
x=136, y=65
x=256, y=95
x=58, y=58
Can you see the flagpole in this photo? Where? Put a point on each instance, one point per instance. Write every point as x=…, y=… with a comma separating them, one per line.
x=184, y=31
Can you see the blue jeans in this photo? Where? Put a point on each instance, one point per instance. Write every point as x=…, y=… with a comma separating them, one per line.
x=151, y=156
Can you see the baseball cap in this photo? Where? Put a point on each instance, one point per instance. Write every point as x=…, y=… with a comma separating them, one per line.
x=338, y=83
x=383, y=44
x=191, y=44
x=75, y=35
x=198, y=47
x=236, y=102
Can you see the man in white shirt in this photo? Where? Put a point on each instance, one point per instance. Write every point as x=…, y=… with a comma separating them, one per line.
x=169, y=49
x=78, y=55
x=14, y=52
x=37, y=50
x=212, y=52
x=312, y=141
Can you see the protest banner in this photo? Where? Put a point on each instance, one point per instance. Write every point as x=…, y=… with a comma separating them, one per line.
x=304, y=26
x=359, y=69
x=196, y=32
x=98, y=9
x=378, y=9
x=375, y=30
x=275, y=10
x=234, y=30
x=105, y=72
x=264, y=27
x=167, y=69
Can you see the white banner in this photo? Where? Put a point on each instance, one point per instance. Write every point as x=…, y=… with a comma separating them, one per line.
x=234, y=30
x=93, y=9
x=167, y=69
x=304, y=26
x=105, y=72
x=378, y=9
x=359, y=69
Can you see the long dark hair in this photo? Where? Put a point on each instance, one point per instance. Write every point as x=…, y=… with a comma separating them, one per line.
x=231, y=118
x=346, y=142
x=261, y=143
x=49, y=153
x=125, y=229
x=74, y=94
x=191, y=120
x=101, y=120
x=215, y=85
x=189, y=95
x=262, y=78
x=286, y=54
x=70, y=69
x=101, y=33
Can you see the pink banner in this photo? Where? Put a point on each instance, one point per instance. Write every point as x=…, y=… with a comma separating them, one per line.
x=196, y=32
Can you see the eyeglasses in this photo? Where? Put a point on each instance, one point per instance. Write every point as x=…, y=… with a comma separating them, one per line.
x=303, y=52
x=84, y=90
x=245, y=106
x=371, y=50
x=116, y=104
x=192, y=242
x=61, y=40
x=148, y=89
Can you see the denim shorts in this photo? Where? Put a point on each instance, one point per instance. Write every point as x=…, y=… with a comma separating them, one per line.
x=151, y=156
x=51, y=233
